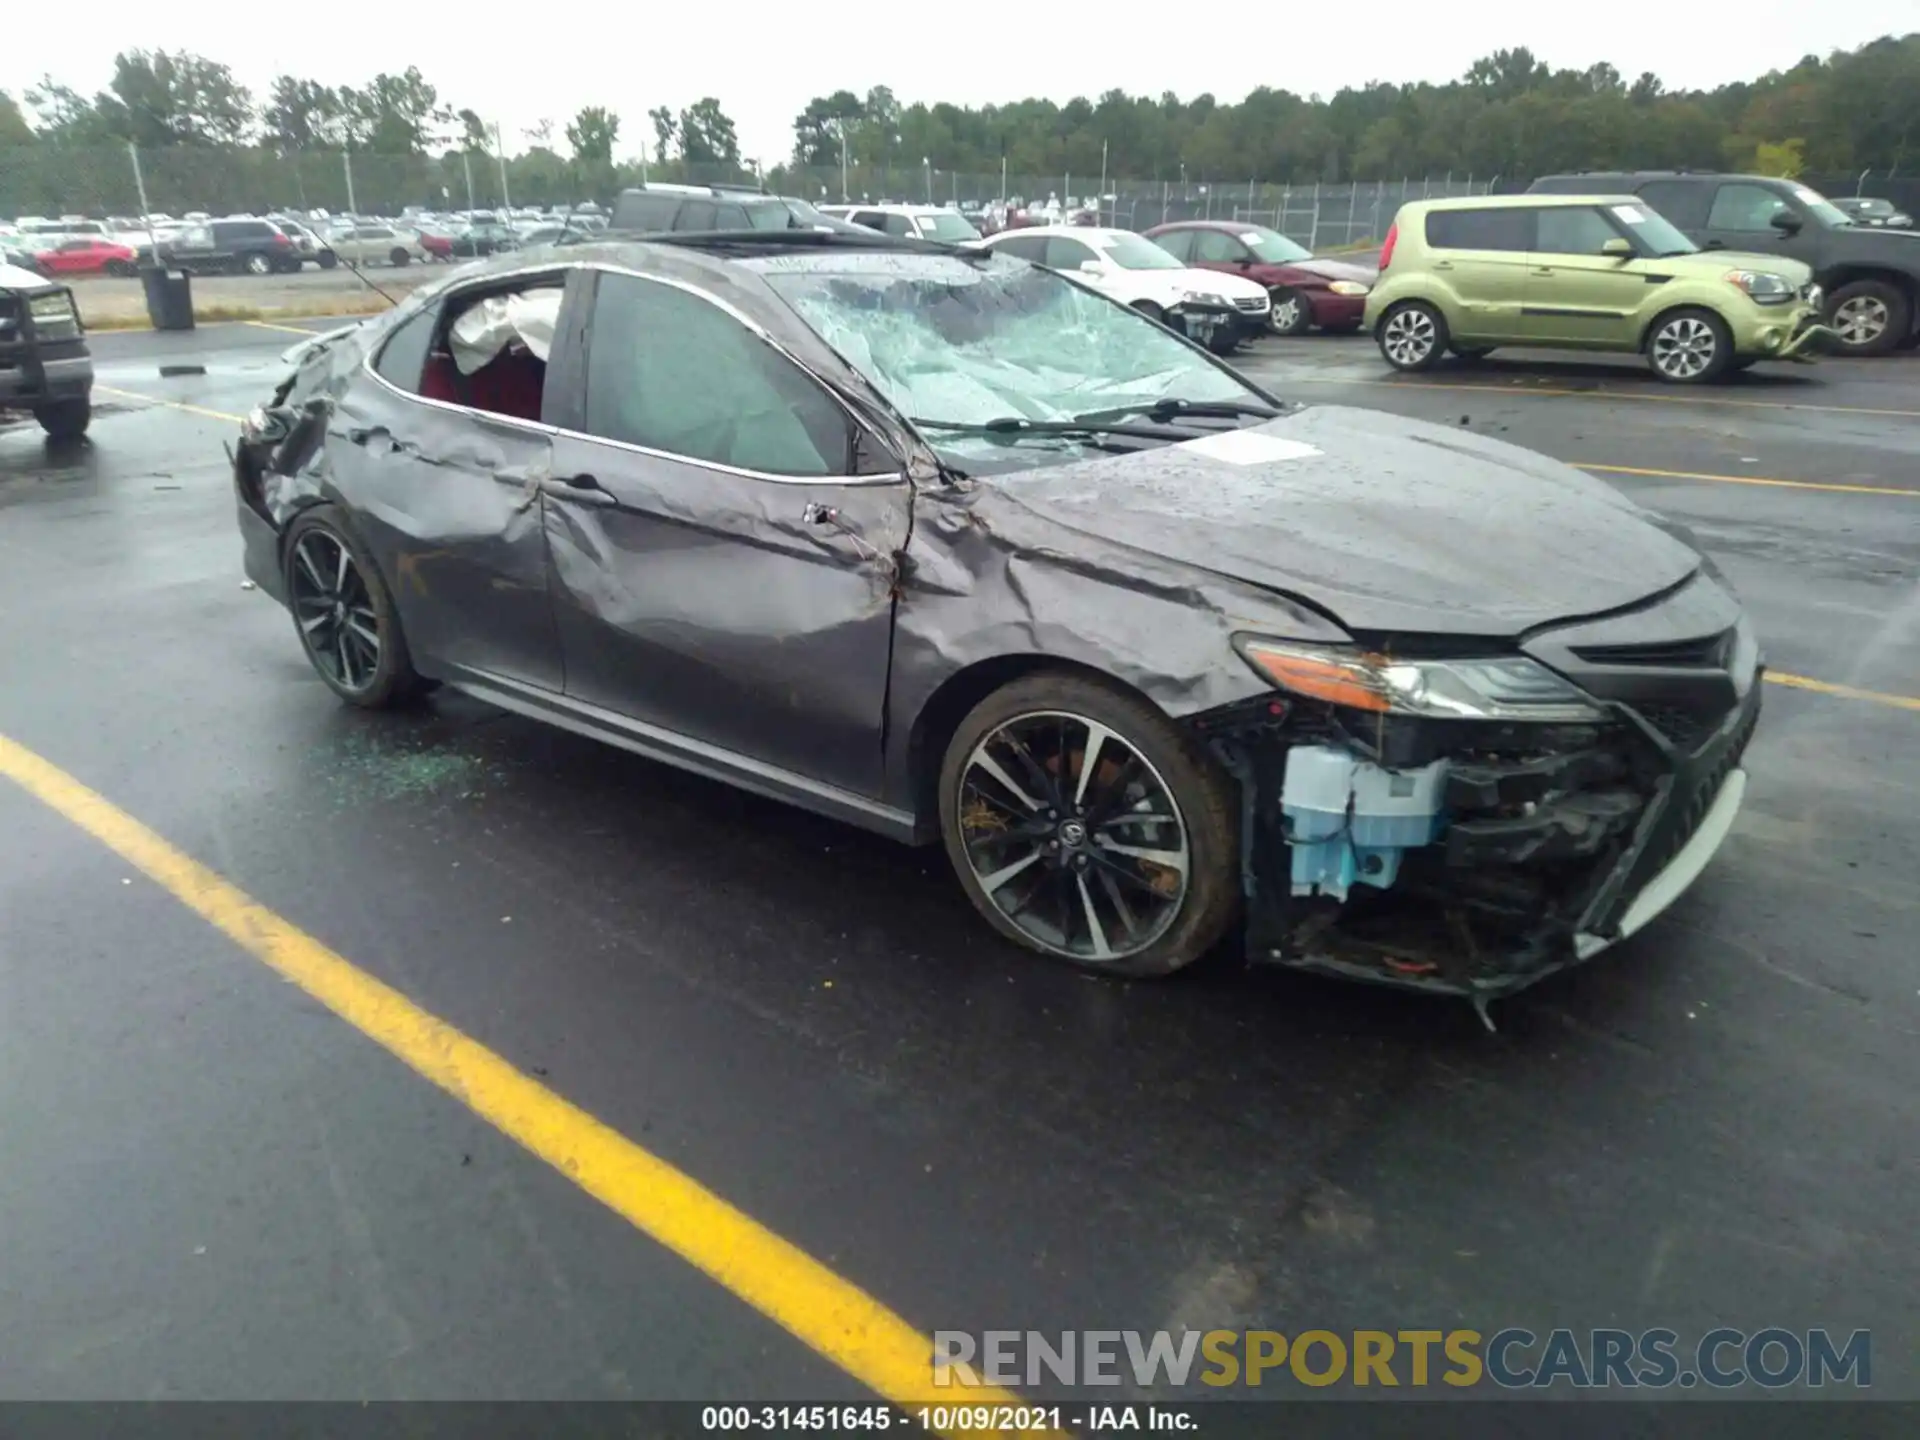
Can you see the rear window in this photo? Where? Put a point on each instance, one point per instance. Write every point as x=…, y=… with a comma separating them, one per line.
x=697, y=215
x=1490, y=229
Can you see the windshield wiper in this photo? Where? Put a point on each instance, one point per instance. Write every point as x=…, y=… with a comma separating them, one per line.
x=1169, y=407
x=1672, y=254
x=1012, y=427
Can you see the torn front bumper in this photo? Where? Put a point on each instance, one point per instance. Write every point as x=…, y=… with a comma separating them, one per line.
x=1555, y=846
x=1808, y=341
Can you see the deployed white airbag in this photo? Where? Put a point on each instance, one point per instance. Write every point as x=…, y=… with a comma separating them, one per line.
x=485, y=330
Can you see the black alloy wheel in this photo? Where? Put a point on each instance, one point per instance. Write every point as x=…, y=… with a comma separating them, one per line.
x=1084, y=825
x=344, y=615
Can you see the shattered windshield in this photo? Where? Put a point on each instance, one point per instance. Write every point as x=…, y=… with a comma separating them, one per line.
x=966, y=342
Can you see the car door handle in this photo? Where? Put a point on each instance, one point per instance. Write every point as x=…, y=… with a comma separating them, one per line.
x=1443, y=264
x=1543, y=270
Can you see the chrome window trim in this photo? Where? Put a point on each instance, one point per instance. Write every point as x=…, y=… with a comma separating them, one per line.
x=896, y=477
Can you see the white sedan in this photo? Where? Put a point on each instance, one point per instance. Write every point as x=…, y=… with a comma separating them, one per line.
x=376, y=245
x=1217, y=310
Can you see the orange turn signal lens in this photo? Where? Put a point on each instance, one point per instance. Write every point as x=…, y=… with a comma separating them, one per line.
x=1349, y=683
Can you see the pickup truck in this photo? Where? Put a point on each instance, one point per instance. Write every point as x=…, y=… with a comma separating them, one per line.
x=44, y=365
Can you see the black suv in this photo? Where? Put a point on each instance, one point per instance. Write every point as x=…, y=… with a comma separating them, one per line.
x=44, y=365
x=1871, y=276
x=255, y=247
x=654, y=209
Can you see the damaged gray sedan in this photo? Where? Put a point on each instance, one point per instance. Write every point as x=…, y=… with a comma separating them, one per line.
x=944, y=545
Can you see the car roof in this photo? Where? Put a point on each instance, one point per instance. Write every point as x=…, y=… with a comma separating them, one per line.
x=1528, y=201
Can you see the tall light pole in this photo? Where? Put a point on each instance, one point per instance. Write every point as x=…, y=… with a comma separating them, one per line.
x=844, y=197
x=500, y=154
x=346, y=159
x=926, y=164
x=1100, y=200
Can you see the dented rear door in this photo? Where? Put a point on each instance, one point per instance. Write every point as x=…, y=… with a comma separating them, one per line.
x=718, y=569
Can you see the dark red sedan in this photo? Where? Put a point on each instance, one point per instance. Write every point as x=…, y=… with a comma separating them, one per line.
x=87, y=255
x=1307, y=292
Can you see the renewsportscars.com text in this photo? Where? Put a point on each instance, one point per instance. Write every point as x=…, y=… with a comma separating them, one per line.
x=1723, y=1359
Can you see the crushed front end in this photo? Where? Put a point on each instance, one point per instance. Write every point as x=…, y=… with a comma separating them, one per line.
x=1391, y=833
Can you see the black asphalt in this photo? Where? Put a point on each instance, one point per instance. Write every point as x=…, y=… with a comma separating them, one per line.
x=211, y=1187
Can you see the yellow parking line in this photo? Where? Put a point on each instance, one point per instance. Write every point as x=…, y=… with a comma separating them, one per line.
x=1690, y=398
x=1913, y=494
x=1844, y=692
x=830, y=1314
x=199, y=410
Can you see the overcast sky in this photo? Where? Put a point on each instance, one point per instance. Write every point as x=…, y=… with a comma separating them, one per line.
x=764, y=61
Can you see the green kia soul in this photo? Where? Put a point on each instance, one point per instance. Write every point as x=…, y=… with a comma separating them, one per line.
x=1582, y=272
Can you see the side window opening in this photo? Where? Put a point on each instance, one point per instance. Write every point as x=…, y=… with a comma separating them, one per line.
x=1177, y=243
x=485, y=350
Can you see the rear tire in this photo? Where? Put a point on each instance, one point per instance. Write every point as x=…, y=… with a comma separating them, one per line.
x=120, y=269
x=399, y=256
x=65, y=420
x=344, y=613
x=258, y=263
x=1412, y=336
x=1689, y=346
x=1130, y=868
x=327, y=259
x=1871, y=317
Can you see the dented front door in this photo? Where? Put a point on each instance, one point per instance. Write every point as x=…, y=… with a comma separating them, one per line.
x=449, y=500
x=704, y=581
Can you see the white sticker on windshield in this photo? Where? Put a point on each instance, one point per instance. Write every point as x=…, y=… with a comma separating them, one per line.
x=1632, y=214
x=1249, y=447
x=1249, y=238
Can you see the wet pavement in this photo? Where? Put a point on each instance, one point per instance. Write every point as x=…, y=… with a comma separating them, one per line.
x=213, y=1188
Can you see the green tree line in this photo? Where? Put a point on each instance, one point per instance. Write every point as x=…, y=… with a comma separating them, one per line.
x=215, y=143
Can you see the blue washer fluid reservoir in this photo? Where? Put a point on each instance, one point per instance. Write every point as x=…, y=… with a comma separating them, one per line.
x=1349, y=820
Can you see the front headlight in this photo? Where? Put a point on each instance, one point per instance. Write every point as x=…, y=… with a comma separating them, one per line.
x=1815, y=296
x=1204, y=297
x=1763, y=287
x=1502, y=688
x=1348, y=287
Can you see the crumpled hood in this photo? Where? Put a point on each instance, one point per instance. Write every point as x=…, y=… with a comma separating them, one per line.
x=1389, y=524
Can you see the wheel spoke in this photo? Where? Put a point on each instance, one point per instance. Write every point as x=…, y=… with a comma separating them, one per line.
x=1096, y=936
x=371, y=637
x=1111, y=868
x=346, y=663
x=1114, y=792
x=305, y=557
x=1119, y=901
x=1171, y=859
x=340, y=571
x=986, y=762
x=1097, y=735
x=993, y=882
x=312, y=626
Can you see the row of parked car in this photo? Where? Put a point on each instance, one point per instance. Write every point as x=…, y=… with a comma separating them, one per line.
x=277, y=243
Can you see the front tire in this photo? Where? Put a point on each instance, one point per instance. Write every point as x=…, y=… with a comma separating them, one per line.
x=65, y=420
x=257, y=264
x=1689, y=347
x=1087, y=826
x=1412, y=336
x=344, y=613
x=1291, y=315
x=399, y=256
x=1870, y=317
x=327, y=259
x=121, y=269
x=1152, y=311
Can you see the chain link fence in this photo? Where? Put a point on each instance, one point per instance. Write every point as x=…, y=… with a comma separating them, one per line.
x=52, y=180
